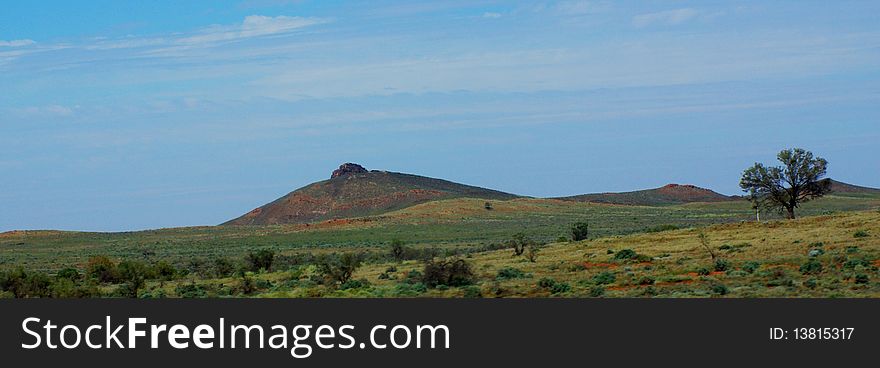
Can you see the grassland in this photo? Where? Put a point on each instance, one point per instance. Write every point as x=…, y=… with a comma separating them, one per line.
x=752, y=259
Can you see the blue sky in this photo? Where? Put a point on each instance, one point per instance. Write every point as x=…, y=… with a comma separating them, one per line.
x=121, y=116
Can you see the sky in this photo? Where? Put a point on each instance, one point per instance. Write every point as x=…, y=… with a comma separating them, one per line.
x=122, y=116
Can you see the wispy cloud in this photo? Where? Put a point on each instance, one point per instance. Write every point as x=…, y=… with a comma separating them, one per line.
x=491, y=15
x=581, y=7
x=667, y=17
x=252, y=26
x=16, y=43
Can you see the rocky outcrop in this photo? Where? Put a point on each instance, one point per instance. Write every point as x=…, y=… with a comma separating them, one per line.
x=346, y=169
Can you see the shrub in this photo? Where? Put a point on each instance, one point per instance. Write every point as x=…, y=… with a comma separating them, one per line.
x=532, y=254
x=597, y=291
x=811, y=283
x=191, y=290
x=260, y=260
x=751, y=266
x=625, y=254
x=721, y=265
x=24, y=284
x=719, y=289
x=561, y=239
x=354, y=284
x=407, y=289
x=398, y=250
x=488, y=206
x=646, y=280
x=811, y=267
x=580, y=231
x=66, y=288
x=472, y=292
x=554, y=286
x=134, y=274
x=861, y=234
x=223, y=267
x=338, y=269
x=508, y=273
x=454, y=272
x=861, y=279
x=101, y=269
x=703, y=271
x=519, y=243
x=71, y=274
x=164, y=270
x=604, y=278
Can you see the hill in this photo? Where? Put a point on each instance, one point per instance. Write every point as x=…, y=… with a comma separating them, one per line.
x=671, y=194
x=352, y=191
x=838, y=187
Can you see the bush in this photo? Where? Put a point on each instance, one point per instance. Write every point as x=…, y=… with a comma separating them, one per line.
x=24, y=284
x=260, y=260
x=455, y=272
x=646, y=280
x=223, y=267
x=354, y=284
x=134, y=274
x=597, y=291
x=861, y=234
x=554, y=286
x=811, y=267
x=164, y=271
x=604, y=278
x=101, y=269
x=338, y=269
x=191, y=290
x=704, y=271
x=719, y=289
x=625, y=254
x=811, y=283
x=508, y=273
x=472, y=292
x=532, y=254
x=398, y=250
x=66, y=288
x=407, y=289
x=861, y=279
x=519, y=243
x=580, y=231
x=71, y=274
x=721, y=265
x=751, y=266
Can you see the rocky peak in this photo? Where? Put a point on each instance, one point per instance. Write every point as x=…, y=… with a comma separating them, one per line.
x=348, y=168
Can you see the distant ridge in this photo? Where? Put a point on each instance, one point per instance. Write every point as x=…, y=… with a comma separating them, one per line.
x=353, y=191
x=839, y=187
x=671, y=194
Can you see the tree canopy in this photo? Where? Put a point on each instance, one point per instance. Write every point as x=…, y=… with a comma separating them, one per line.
x=798, y=180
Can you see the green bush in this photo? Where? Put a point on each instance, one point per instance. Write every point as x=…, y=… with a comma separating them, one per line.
x=604, y=278
x=703, y=271
x=71, y=274
x=338, y=268
x=625, y=254
x=719, y=289
x=861, y=279
x=861, y=234
x=102, y=269
x=508, y=273
x=751, y=266
x=811, y=267
x=25, y=284
x=354, y=284
x=453, y=272
x=580, y=231
x=811, y=283
x=223, y=267
x=191, y=290
x=646, y=280
x=554, y=286
x=471, y=291
x=597, y=291
x=721, y=265
x=260, y=260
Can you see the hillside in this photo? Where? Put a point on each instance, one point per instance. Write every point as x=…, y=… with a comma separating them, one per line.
x=838, y=187
x=671, y=194
x=352, y=191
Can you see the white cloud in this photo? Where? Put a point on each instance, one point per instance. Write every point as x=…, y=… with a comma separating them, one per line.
x=16, y=43
x=668, y=17
x=491, y=15
x=49, y=111
x=252, y=26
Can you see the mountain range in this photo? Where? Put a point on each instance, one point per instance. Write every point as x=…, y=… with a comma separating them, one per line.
x=353, y=191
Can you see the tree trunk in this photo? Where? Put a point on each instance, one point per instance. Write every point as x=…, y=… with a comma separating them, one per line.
x=790, y=213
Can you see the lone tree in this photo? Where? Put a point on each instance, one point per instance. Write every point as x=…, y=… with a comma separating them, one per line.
x=785, y=187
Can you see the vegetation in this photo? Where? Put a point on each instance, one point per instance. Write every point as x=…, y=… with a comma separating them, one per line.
x=580, y=231
x=786, y=187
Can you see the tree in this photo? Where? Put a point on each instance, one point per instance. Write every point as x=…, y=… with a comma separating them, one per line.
x=260, y=260
x=451, y=272
x=519, y=243
x=398, y=250
x=580, y=231
x=134, y=274
x=785, y=187
x=336, y=268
